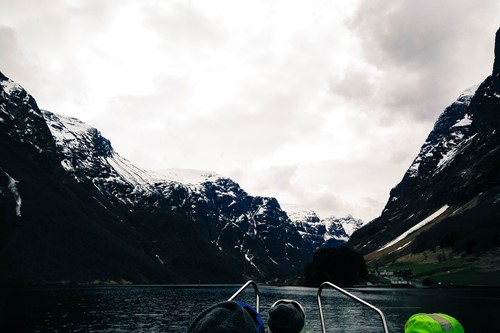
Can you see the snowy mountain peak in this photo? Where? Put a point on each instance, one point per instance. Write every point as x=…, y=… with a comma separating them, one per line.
x=164, y=224
x=82, y=148
x=457, y=167
x=70, y=133
x=323, y=232
x=8, y=86
x=74, y=138
x=450, y=135
x=186, y=176
x=21, y=117
x=201, y=195
x=299, y=214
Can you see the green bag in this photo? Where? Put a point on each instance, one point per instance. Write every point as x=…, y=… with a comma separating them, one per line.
x=433, y=323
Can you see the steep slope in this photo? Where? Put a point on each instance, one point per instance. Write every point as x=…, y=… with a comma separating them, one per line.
x=328, y=232
x=449, y=198
x=52, y=229
x=254, y=231
x=96, y=216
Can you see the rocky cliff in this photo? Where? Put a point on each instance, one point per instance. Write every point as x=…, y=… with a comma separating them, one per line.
x=449, y=199
x=74, y=210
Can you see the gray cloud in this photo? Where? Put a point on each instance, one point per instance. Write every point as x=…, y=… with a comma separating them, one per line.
x=283, y=96
x=422, y=52
x=49, y=36
x=13, y=60
x=181, y=26
x=329, y=187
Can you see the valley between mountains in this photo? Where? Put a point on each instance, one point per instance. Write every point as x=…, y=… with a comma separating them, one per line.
x=72, y=210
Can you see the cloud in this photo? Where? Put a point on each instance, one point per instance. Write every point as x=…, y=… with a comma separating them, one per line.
x=322, y=104
x=13, y=58
x=356, y=183
x=183, y=26
x=329, y=187
x=420, y=53
x=51, y=36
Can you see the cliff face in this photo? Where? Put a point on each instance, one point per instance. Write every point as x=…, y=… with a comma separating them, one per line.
x=496, y=63
x=55, y=228
x=74, y=210
x=450, y=195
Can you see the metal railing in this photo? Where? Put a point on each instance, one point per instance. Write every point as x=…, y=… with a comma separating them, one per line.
x=329, y=284
x=256, y=292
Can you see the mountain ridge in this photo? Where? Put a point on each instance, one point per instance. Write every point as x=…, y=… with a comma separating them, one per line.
x=447, y=204
x=173, y=226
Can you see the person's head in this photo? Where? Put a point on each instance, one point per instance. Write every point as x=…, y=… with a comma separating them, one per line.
x=286, y=316
x=433, y=323
x=228, y=317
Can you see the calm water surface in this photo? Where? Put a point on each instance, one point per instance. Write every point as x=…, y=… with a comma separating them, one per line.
x=171, y=309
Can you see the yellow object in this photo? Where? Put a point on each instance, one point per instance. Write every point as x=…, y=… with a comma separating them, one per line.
x=433, y=323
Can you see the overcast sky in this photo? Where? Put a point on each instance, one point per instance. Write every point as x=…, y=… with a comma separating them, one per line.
x=322, y=104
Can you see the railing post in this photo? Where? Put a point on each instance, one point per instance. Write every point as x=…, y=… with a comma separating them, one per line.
x=256, y=291
x=345, y=292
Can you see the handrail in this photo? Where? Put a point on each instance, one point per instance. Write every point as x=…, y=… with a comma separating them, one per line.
x=256, y=290
x=322, y=318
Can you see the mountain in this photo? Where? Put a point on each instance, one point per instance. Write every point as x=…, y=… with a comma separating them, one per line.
x=322, y=233
x=74, y=210
x=56, y=229
x=448, y=202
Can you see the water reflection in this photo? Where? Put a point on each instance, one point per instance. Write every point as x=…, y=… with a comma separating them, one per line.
x=171, y=309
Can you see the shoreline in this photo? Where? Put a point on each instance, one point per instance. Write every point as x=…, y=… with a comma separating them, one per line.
x=215, y=285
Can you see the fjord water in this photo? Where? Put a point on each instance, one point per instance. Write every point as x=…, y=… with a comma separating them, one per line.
x=172, y=308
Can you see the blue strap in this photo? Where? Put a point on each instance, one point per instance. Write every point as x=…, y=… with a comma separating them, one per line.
x=259, y=323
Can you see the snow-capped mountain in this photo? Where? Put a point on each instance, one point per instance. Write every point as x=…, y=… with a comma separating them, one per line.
x=327, y=232
x=450, y=136
x=449, y=197
x=253, y=228
x=141, y=225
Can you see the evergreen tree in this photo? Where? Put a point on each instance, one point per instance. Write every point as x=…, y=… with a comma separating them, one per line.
x=342, y=266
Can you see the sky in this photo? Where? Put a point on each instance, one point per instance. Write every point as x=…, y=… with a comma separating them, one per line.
x=321, y=104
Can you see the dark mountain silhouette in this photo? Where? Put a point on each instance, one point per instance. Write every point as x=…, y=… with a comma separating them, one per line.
x=73, y=210
x=449, y=199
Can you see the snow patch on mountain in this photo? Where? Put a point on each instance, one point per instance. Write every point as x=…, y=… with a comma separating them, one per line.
x=128, y=171
x=332, y=228
x=450, y=154
x=186, y=176
x=10, y=86
x=439, y=150
x=351, y=224
x=299, y=214
x=465, y=121
x=235, y=222
x=466, y=96
x=12, y=186
x=417, y=226
x=69, y=134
